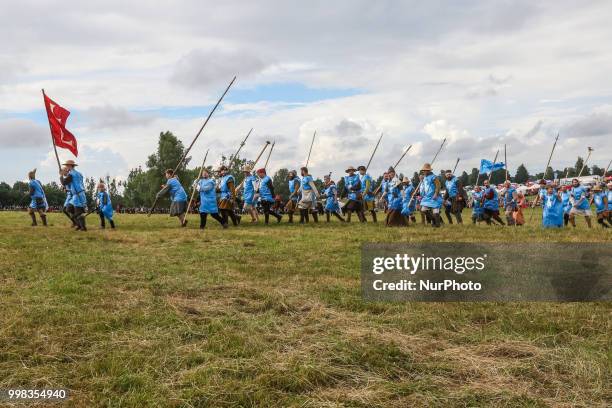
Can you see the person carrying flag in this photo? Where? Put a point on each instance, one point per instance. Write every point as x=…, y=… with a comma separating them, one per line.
x=73, y=180
x=38, y=200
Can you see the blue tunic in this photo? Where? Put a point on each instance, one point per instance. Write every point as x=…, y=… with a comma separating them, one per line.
x=578, y=193
x=565, y=200
x=428, y=190
x=491, y=203
x=294, y=186
x=176, y=190
x=249, y=189
x=552, y=211
x=77, y=189
x=598, y=200
x=105, y=209
x=408, y=207
x=226, y=193
x=508, y=199
x=451, y=187
x=37, y=193
x=208, y=196
x=394, y=195
x=264, y=190
x=609, y=200
x=331, y=202
x=68, y=198
x=477, y=209
x=351, y=182
x=367, y=183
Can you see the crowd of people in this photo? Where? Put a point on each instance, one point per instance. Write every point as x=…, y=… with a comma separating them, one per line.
x=400, y=200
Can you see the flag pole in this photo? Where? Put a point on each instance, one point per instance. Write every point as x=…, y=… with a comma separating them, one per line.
x=506, y=161
x=194, y=140
x=59, y=166
x=494, y=161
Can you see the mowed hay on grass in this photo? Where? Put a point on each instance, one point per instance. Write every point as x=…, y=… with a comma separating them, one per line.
x=153, y=315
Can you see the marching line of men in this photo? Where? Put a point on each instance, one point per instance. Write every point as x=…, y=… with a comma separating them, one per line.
x=400, y=199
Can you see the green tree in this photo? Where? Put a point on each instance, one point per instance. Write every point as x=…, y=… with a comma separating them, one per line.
x=598, y=171
x=473, y=177
x=522, y=175
x=464, y=178
x=578, y=166
x=280, y=183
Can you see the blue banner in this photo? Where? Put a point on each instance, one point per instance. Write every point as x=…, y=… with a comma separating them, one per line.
x=487, y=166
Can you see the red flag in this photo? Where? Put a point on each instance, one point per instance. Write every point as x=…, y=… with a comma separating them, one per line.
x=57, y=122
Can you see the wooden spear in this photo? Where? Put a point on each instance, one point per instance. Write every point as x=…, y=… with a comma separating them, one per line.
x=585, y=162
x=240, y=147
x=180, y=163
x=396, y=164
x=374, y=152
x=269, y=154
x=255, y=162
x=494, y=161
x=310, y=151
x=456, y=164
x=506, y=161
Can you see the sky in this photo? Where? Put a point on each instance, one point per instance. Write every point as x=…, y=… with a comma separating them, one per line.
x=479, y=73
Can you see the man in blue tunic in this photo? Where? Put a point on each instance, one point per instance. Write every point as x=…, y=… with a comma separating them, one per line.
x=178, y=197
x=609, y=196
x=73, y=180
x=408, y=201
x=293, y=182
x=208, y=200
x=453, y=195
x=431, y=200
x=367, y=189
x=552, y=207
x=248, y=193
x=580, y=203
x=600, y=199
x=265, y=191
x=510, y=202
x=227, y=196
x=309, y=196
x=105, y=207
x=567, y=205
x=352, y=191
x=38, y=200
x=330, y=195
x=477, y=210
x=490, y=204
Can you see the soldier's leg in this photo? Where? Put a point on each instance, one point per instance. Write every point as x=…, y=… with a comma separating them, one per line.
x=32, y=216
x=203, y=220
x=102, y=220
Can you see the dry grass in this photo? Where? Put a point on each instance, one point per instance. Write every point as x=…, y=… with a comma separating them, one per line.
x=151, y=315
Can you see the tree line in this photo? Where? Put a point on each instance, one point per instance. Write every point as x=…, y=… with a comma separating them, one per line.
x=141, y=184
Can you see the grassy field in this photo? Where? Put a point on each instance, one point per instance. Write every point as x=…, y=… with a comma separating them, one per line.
x=153, y=315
